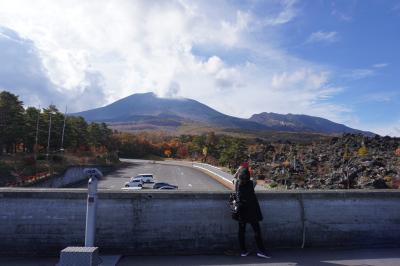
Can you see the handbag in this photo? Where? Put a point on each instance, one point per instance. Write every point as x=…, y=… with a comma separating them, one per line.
x=234, y=206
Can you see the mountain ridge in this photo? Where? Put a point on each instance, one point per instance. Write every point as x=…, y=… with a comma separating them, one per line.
x=143, y=110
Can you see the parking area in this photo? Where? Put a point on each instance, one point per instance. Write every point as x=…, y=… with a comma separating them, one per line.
x=186, y=178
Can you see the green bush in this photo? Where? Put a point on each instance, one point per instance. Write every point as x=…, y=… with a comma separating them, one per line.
x=57, y=158
x=4, y=169
x=41, y=157
x=273, y=185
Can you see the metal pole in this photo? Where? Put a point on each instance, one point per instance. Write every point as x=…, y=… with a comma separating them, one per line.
x=63, y=130
x=48, y=138
x=37, y=134
x=91, y=211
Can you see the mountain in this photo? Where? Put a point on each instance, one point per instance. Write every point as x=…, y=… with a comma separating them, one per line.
x=303, y=123
x=146, y=111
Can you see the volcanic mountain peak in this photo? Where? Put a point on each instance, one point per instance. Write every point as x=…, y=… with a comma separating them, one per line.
x=148, y=110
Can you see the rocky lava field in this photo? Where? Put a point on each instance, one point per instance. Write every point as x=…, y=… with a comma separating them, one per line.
x=346, y=162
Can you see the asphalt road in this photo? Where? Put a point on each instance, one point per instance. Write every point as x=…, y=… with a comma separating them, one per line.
x=185, y=177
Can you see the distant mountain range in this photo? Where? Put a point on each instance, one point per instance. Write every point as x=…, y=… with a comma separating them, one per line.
x=146, y=111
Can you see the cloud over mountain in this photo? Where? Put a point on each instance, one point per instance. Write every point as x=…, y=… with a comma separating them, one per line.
x=240, y=57
x=104, y=50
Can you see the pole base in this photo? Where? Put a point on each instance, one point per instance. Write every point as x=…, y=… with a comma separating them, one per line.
x=77, y=256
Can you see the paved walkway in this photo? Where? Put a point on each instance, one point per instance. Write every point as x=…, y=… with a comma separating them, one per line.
x=306, y=257
x=283, y=257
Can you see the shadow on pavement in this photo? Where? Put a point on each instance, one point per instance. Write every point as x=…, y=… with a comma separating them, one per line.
x=281, y=257
x=286, y=257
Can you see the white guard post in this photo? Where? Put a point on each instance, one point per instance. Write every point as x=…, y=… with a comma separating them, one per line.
x=90, y=232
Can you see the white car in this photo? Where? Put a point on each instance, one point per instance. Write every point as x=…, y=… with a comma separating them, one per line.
x=135, y=182
x=130, y=188
x=147, y=178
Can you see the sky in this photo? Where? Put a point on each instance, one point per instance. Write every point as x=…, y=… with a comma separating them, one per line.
x=334, y=59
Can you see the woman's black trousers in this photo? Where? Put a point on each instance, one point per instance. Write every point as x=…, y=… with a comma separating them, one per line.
x=257, y=236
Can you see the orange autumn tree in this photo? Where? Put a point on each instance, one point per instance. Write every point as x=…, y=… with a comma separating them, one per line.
x=168, y=153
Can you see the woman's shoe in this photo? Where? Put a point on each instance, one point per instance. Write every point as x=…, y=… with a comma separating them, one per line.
x=263, y=254
x=244, y=253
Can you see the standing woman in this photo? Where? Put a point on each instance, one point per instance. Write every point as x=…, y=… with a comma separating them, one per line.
x=249, y=211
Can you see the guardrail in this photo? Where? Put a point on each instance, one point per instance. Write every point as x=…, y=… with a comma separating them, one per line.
x=215, y=172
x=28, y=180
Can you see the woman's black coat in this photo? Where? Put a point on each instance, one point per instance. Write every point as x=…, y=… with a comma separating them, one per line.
x=249, y=208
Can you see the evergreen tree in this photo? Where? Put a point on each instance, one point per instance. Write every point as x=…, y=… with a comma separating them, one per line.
x=11, y=122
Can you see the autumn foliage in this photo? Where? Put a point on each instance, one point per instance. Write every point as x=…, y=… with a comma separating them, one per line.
x=168, y=153
x=219, y=149
x=363, y=151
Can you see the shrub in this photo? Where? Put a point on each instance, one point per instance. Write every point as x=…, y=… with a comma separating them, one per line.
x=273, y=184
x=363, y=151
x=4, y=169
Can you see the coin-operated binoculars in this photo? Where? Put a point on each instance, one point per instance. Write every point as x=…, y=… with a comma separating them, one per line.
x=87, y=255
x=93, y=174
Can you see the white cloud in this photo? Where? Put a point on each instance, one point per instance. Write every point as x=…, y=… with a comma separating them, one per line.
x=346, y=14
x=323, y=36
x=386, y=129
x=287, y=13
x=381, y=96
x=105, y=50
x=360, y=73
x=213, y=64
x=380, y=65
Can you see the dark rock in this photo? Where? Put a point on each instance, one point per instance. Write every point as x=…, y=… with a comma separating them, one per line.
x=379, y=183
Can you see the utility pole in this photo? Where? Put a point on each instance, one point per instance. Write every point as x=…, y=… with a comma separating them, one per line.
x=37, y=134
x=63, y=130
x=48, y=138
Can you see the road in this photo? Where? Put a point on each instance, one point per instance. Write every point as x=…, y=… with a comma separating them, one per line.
x=185, y=177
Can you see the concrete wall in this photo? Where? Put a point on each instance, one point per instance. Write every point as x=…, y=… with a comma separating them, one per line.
x=43, y=221
x=71, y=176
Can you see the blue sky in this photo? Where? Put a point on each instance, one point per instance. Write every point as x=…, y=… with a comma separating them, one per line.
x=334, y=59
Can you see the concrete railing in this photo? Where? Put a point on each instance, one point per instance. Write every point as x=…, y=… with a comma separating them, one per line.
x=44, y=221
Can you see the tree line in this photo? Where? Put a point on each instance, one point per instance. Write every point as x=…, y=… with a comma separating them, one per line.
x=40, y=130
x=27, y=130
x=211, y=148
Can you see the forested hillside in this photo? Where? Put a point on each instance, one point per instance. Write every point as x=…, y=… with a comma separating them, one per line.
x=36, y=142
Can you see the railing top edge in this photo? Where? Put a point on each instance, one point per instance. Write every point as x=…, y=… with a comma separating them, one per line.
x=71, y=193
